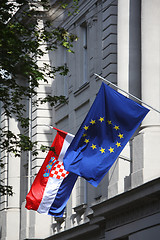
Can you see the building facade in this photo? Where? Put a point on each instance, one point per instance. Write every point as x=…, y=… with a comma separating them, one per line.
x=119, y=40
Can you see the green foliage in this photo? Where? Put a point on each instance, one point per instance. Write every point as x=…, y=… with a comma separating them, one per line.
x=5, y=189
x=16, y=143
x=73, y=9
x=21, y=38
x=46, y=148
x=53, y=100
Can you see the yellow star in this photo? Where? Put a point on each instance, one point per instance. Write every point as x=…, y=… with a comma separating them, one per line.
x=118, y=144
x=86, y=127
x=109, y=122
x=86, y=140
x=111, y=150
x=120, y=135
x=93, y=122
x=93, y=146
x=116, y=127
x=84, y=135
x=101, y=119
x=102, y=150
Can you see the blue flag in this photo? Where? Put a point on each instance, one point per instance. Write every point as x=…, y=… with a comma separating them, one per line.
x=108, y=126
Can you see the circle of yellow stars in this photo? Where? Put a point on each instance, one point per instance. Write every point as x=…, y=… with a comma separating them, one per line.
x=101, y=149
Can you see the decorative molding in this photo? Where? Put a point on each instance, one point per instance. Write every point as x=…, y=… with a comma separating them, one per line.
x=91, y=21
x=130, y=206
x=81, y=208
x=81, y=89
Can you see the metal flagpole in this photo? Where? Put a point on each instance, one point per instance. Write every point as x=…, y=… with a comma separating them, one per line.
x=48, y=126
x=127, y=92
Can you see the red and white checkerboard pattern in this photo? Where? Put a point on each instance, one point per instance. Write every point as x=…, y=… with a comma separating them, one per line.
x=58, y=171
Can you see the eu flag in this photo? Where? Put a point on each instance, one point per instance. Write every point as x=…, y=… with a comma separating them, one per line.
x=108, y=126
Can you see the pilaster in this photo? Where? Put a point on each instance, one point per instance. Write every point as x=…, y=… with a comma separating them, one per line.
x=146, y=164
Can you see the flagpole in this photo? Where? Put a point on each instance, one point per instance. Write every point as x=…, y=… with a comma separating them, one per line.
x=48, y=126
x=127, y=93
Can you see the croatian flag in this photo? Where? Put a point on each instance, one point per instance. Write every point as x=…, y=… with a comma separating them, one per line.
x=53, y=185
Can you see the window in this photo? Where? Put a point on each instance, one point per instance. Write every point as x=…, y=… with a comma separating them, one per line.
x=85, y=53
x=65, y=79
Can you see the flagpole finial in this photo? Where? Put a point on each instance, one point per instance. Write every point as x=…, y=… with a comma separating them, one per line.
x=49, y=126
